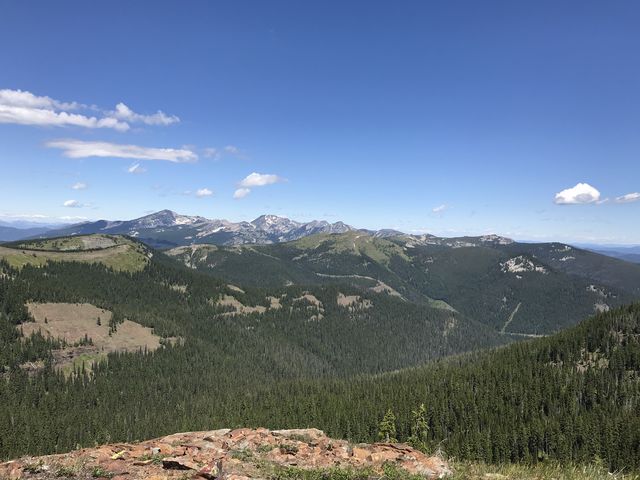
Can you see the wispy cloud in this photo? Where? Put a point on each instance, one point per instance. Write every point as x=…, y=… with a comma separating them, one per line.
x=203, y=192
x=24, y=108
x=83, y=149
x=73, y=204
x=232, y=150
x=36, y=218
x=136, y=168
x=123, y=112
x=440, y=208
x=581, y=194
x=79, y=186
x=227, y=151
x=241, y=193
x=628, y=198
x=211, y=152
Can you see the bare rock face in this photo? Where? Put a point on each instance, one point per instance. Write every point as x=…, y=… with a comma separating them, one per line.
x=239, y=454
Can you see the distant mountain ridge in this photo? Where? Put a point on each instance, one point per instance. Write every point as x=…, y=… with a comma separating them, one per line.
x=515, y=288
x=168, y=229
x=9, y=233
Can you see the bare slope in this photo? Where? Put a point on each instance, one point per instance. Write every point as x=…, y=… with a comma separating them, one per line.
x=76, y=322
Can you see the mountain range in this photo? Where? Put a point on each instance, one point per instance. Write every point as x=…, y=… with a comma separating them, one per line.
x=9, y=233
x=165, y=229
x=514, y=288
x=330, y=329
x=333, y=330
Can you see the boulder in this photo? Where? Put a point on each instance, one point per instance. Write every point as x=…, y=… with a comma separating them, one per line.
x=239, y=454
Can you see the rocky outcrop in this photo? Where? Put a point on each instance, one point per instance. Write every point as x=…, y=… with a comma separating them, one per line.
x=240, y=454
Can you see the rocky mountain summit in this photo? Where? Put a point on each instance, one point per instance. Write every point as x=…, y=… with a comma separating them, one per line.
x=167, y=228
x=239, y=454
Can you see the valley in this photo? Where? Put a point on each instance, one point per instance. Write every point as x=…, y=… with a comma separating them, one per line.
x=327, y=331
x=483, y=278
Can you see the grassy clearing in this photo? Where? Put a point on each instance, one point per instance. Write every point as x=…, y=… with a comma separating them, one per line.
x=74, y=321
x=121, y=255
x=355, y=243
x=75, y=243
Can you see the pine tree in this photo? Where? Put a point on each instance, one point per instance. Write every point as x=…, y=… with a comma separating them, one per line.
x=419, y=428
x=387, y=428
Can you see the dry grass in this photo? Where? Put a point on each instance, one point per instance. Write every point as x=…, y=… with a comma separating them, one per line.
x=309, y=298
x=353, y=302
x=126, y=257
x=235, y=288
x=274, y=303
x=72, y=321
x=383, y=287
x=229, y=301
x=315, y=306
x=74, y=243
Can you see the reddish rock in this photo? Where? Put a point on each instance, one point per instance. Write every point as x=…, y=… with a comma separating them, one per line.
x=228, y=454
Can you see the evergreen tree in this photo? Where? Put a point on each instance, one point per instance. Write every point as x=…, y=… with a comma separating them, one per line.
x=419, y=428
x=387, y=428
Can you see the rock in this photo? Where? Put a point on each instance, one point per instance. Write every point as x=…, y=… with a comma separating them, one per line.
x=179, y=463
x=361, y=453
x=245, y=454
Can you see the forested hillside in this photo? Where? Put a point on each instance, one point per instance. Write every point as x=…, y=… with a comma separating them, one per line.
x=514, y=288
x=227, y=337
x=331, y=356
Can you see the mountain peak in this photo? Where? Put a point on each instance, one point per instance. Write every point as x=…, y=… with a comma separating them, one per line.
x=270, y=219
x=493, y=238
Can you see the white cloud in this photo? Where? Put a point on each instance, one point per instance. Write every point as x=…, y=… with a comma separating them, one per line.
x=123, y=112
x=136, y=168
x=72, y=204
x=24, y=108
x=628, y=198
x=211, y=152
x=241, y=193
x=19, y=98
x=203, y=192
x=79, y=186
x=582, y=193
x=260, y=180
x=219, y=153
x=439, y=208
x=82, y=149
x=255, y=180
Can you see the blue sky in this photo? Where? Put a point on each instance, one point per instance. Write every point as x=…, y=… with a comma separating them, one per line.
x=519, y=118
